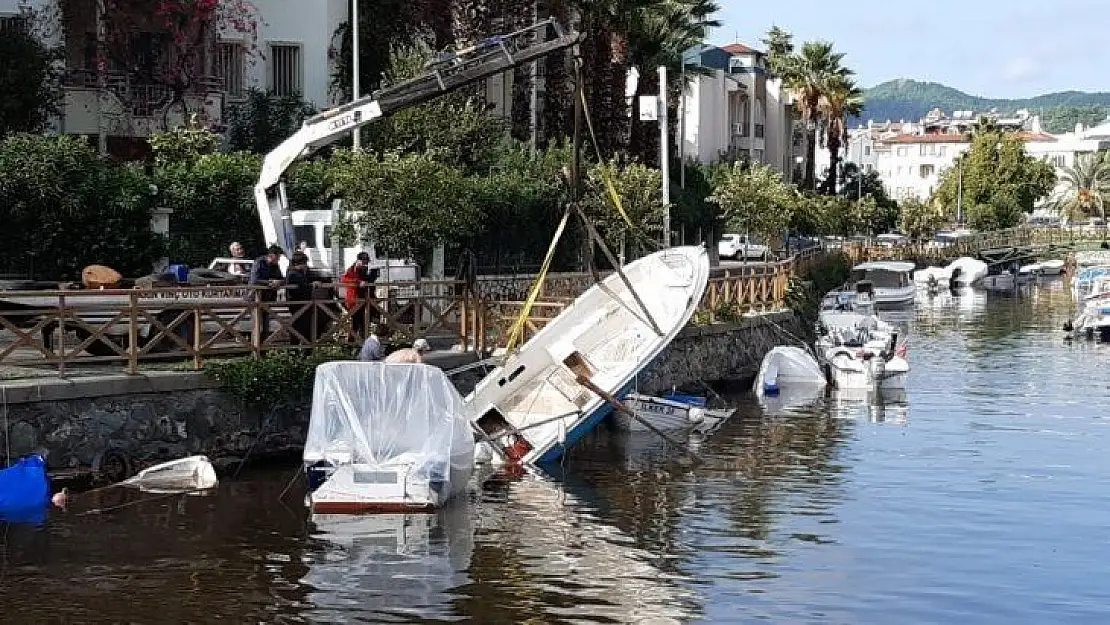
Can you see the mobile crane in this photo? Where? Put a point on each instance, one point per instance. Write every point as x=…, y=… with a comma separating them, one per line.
x=445, y=73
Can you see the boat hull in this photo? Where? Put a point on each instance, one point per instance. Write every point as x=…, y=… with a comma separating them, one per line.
x=669, y=416
x=367, y=489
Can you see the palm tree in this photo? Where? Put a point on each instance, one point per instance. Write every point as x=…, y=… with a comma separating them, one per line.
x=660, y=36
x=842, y=97
x=1087, y=187
x=807, y=76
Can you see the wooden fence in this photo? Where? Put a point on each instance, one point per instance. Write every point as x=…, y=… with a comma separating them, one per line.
x=69, y=329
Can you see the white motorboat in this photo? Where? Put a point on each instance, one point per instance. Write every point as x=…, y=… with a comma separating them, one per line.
x=861, y=351
x=889, y=282
x=787, y=367
x=1044, y=268
x=964, y=271
x=386, y=438
x=1005, y=281
x=1091, y=281
x=1093, y=321
x=534, y=407
x=671, y=413
x=183, y=475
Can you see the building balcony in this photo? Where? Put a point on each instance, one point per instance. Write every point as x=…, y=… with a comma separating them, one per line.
x=129, y=108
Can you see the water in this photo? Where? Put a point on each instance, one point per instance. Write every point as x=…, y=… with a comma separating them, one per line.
x=980, y=498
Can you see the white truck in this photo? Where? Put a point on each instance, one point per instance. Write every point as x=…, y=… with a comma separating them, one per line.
x=282, y=226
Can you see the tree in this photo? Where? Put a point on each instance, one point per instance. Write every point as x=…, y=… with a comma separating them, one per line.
x=754, y=200
x=780, y=47
x=842, y=97
x=856, y=187
x=808, y=75
x=920, y=220
x=1086, y=187
x=641, y=194
x=999, y=181
x=30, y=81
x=264, y=120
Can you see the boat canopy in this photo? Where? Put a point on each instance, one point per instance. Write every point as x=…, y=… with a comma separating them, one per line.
x=385, y=414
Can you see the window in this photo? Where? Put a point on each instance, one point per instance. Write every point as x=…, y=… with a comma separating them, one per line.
x=903, y=151
x=926, y=171
x=286, y=70
x=230, y=64
x=1059, y=160
x=943, y=150
x=12, y=24
x=306, y=234
x=327, y=237
x=924, y=149
x=868, y=168
x=867, y=150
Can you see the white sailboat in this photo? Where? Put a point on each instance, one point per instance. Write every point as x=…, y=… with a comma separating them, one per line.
x=385, y=438
x=533, y=407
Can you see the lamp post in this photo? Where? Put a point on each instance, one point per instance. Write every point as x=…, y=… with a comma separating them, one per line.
x=664, y=161
x=356, y=136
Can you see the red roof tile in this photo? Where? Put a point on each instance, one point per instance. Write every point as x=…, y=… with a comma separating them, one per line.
x=739, y=48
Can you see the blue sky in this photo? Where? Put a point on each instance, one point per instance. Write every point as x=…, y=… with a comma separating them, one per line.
x=993, y=48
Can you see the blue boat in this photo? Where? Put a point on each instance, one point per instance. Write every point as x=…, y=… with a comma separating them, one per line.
x=25, y=491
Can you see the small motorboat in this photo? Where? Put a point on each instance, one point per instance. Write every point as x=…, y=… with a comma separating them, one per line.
x=385, y=438
x=185, y=474
x=1044, y=268
x=860, y=351
x=964, y=271
x=673, y=412
x=890, y=282
x=552, y=392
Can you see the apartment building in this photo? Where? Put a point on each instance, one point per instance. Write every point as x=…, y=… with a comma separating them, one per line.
x=124, y=100
x=732, y=110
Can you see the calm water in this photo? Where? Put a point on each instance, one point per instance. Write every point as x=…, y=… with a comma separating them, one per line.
x=980, y=498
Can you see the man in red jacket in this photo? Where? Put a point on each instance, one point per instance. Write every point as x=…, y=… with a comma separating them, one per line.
x=359, y=280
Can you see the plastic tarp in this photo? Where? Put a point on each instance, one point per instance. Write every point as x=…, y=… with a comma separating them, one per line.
x=386, y=414
x=787, y=366
x=971, y=270
x=24, y=491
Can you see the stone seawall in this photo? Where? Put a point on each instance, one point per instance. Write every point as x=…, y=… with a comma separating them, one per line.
x=119, y=422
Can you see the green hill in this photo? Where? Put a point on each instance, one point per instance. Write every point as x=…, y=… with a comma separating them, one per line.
x=910, y=100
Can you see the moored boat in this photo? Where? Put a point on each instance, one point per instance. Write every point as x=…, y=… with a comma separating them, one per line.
x=890, y=282
x=534, y=406
x=670, y=413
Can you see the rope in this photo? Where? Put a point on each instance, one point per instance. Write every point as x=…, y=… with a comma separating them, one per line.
x=518, y=326
x=139, y=501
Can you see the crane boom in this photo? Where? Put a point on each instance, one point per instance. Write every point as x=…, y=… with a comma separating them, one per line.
x=447, y=72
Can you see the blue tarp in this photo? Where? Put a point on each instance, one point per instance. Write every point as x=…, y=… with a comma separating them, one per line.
x=24, y=491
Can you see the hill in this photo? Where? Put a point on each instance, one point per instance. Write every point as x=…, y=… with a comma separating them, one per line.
x=906, y=99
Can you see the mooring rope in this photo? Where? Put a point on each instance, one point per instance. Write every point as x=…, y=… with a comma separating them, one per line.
x=139, y=501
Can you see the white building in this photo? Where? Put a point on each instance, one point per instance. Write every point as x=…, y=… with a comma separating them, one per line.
x=911, y=156
x=733, y=111
x=290, y=54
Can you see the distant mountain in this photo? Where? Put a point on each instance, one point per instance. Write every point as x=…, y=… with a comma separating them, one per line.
x=910, y=100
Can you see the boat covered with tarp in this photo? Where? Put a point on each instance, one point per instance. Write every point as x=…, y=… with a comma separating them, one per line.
x=24, y=491
x=385, y=437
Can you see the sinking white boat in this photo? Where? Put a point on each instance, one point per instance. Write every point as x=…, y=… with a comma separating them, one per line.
x=787, y=367
x=964, y=271
x=672, y=413
x=1005, y=281
x=183, y=475
x=385, y=438
x=533, y=406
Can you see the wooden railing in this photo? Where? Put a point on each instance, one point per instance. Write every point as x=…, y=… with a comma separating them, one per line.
x=68, y=329
x=975, y=244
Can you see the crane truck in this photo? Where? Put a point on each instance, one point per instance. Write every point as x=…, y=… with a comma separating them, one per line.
x=445, y=73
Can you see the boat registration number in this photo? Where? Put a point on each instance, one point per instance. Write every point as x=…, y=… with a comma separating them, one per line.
x=656, y=408
x=375, y=477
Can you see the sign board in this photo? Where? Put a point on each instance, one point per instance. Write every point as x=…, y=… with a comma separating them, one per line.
x=649, y=108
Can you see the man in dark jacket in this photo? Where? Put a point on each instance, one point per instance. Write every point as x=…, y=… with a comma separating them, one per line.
x=265, y=278
x=299, y=291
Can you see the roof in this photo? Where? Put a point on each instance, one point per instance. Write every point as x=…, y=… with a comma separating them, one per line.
x=886, y=265
x=739, y=48
x=1028, y=137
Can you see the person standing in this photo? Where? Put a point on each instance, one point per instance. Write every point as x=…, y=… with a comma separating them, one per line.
x=265, y=278
x=359, y=280
x=300, y=285
x=237, y=252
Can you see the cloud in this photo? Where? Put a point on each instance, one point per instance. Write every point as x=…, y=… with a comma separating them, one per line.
x=1022, y=69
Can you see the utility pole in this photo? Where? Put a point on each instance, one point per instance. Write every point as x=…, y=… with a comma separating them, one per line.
x=664, y=161
x=682, y=126
x=356, y=134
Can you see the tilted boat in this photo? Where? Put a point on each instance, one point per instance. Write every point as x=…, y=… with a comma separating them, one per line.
x=533, y=407
x=389, y=438
x=671, y=413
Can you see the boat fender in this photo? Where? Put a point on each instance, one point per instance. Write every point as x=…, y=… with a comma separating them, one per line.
x=770, y=389
x=113, y=465
x=696, y=415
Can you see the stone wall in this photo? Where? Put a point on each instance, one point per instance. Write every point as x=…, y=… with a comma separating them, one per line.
x=90, y=423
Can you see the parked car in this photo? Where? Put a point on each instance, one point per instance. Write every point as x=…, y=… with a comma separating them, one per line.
x=890, y=239
x=741, y=247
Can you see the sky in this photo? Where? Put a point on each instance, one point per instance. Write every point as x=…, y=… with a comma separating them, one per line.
x=991, y=48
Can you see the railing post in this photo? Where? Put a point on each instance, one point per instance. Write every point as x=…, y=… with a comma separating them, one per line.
x=133, y=334
x=197, y=338
x=256, y=325
x=61, y=335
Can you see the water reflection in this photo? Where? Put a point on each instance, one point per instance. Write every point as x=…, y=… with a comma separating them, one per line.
x=885, y=406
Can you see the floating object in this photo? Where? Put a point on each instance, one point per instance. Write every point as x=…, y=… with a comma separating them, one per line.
x=25, y=491
x=390, y=438
x=182, y=475
x=786, y=366
x=533, y=405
